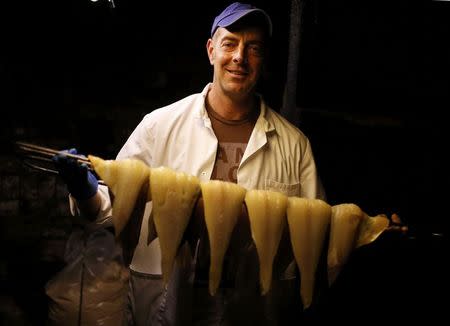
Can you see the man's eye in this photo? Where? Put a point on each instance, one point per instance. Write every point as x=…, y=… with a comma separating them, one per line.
x=256, y=50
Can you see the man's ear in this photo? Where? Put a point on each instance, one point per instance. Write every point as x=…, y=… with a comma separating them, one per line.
x=210, y=51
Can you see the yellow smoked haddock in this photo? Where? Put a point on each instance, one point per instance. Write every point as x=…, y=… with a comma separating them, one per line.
x=222, y=205
x=308, y=220
x=267, y=215
x=126, y=179
x=351, y=228
x=174, y=195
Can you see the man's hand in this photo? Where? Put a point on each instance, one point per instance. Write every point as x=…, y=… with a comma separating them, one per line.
x=396, y=225
x=81, y=183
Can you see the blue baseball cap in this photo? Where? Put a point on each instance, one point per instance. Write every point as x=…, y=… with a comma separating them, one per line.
x=237, y=11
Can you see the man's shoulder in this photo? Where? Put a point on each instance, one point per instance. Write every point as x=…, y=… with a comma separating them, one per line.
x=282, y=125
x=182, y=106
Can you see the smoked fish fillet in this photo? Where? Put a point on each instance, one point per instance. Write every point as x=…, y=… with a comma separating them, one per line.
x=222, y=206
x=309, y=221
x=267, y=215
x=126, y=179
x=174, y=195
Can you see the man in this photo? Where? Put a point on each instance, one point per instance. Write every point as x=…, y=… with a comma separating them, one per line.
x=226, y=132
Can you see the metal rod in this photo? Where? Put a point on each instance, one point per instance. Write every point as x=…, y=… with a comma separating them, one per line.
x=290, y=110
x=31, y=153
x=48, y=152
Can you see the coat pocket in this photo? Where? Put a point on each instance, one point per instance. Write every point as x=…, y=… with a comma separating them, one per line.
x=289, y=189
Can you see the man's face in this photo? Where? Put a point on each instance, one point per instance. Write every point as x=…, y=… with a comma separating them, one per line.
x=237, y=58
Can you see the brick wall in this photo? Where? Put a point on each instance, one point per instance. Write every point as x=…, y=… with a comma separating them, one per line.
x=34, y=225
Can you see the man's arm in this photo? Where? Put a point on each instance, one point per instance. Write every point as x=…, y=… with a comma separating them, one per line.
x=90, y=207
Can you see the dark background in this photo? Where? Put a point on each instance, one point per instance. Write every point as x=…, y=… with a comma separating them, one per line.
x=373, y=88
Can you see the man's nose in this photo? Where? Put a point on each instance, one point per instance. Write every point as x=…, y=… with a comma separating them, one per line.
x=239, y=55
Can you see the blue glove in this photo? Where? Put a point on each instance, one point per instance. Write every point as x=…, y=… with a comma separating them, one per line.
x=81, y=182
